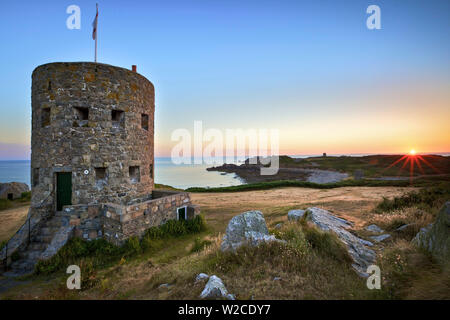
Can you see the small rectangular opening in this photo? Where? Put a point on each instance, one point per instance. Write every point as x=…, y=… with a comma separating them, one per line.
x=45, y=117
x=144, y=121
x=135, y=175
x=151, y=171
x=181, y=213
x=117, y=115
x=100, y=173
x=10, y=196
x=35, y=177
x=81, y=113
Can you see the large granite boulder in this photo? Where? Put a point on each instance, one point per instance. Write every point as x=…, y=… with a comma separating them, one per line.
x=361, y=255
x=13, y=190
x=248, y=228
x=435, y=238
x=215, y=289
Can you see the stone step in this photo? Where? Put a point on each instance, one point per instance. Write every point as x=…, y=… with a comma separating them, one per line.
x=37, y=246
x=43, y=239
x=48, y=231
x=32, y=255
x=54, y=223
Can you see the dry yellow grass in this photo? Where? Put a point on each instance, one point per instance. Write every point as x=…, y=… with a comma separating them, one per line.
x=11, y=220
x=315, y=278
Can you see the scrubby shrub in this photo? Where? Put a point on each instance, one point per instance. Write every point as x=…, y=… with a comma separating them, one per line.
x=199, y=244
x=176, y=228
x=425, y=198
x=25, y=196
x=101, y=252
x=75, y=250
x=5, y=204
x=133, y=246
x=326, y=243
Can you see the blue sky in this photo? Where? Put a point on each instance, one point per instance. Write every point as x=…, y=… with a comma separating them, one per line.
x=308, y=68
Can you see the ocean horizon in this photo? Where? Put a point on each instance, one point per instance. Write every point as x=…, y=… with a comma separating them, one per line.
x=166, y=172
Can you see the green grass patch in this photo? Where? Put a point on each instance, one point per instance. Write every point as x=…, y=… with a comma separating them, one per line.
x=305, y=184
x=8, y=204
x=96, y=254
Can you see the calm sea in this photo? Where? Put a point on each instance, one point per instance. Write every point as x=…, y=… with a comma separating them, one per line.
x=166, y=172
x=179, y=176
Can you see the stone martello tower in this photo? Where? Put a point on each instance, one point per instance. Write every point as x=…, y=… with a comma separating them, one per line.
x=92, y=163
x=92, y=134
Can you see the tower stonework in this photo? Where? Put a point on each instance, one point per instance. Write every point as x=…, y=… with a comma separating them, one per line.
x=92, y=162
x=94, y=122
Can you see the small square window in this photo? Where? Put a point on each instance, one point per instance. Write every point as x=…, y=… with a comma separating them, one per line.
x=35, y=177
x=81, y=113
x=144, y=121
x=117, y=115
x=135, y=175
x=45, y=117
x=151, y=172
x=100, y=173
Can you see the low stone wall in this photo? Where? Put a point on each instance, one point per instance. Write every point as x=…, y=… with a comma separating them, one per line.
x=116, y=223
x=86, y=220
x=122, y=222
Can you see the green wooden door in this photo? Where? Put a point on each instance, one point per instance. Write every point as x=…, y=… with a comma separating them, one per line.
x=63, y=189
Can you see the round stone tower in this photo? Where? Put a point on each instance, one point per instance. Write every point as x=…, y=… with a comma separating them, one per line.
x=92, y=135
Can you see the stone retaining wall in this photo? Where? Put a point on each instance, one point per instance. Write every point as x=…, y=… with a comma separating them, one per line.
x=116, y=223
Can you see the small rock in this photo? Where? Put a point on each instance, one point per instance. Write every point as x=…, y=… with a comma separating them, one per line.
x=294, y=215
x=164, y=286
x=365, y=242
x=215, y=289
x=278, y=226
x=201, y=276
x=403, y=227
x=374, y=228
x=276, y=278
x=381, y=237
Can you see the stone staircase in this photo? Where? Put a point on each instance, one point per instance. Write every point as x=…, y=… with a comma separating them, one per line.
x=39, y=243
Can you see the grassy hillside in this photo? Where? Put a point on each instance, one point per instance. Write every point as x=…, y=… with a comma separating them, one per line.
x=311, y=265
x=422, y=182
x=376, y=165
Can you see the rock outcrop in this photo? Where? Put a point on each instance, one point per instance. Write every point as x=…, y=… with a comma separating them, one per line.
x=435, y=238
x=374, y=228
x=381, y=237
x=201, y=276
x=296, y=214
x=215, y=289
x=248, y=228
x=12, y=190
x=362, y=256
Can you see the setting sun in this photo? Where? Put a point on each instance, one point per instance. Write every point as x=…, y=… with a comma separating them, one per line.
x=412, y=152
